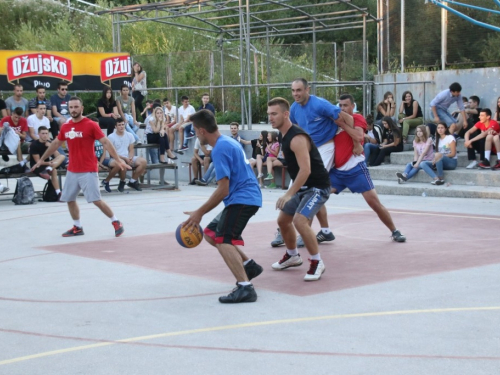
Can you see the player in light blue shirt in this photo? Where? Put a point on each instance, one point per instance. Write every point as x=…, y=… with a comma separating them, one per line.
x=239, y=190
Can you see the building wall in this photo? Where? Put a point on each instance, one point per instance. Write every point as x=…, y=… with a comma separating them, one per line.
x=484, y=82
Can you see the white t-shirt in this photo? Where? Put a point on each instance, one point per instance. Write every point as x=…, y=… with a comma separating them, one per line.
x=444, y=145
x=35, y=123
x=122, y=143
x=197, y=146
x=170, y=112
x=185, y=112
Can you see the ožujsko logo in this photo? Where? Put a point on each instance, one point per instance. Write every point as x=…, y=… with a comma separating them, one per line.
x=115, y=67
x=39, y=64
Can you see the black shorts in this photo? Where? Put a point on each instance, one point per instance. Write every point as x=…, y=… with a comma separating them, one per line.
x=229, y=224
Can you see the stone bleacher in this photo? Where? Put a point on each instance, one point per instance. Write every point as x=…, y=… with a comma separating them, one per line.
x=460, y=183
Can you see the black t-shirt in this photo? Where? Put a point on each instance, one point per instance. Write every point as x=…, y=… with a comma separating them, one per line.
x=38, y=148
x=255, y=150
x=2, y=104
x=108, y=108
x=409, y=110
x=319, y=177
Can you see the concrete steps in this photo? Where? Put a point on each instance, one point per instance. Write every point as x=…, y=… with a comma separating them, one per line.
x=447, y=190
x=405, y=157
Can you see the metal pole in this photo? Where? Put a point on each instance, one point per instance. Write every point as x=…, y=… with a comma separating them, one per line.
x=364, y=64
x=380, y=25
x=314, y=58
x=336, y=77
x=444, y=36
x=222, y=76
x=387, y=33
x=113, y=31
x=249, y=71
x=242, y=67
x=268, y=64
x=118, y=35
x=402, y=36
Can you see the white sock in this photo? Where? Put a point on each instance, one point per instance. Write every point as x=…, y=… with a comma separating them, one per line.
x=244, y=283
x=131, y=180
x=487, y=154
x=1, y=186
x=326, y=230
x=316, y=257
x=48, y=169
x=292, y=252
x=498, y=156
x=77, y=223
x=22, y=163
x=246, y=262
x=58, y=191
x=114, y=218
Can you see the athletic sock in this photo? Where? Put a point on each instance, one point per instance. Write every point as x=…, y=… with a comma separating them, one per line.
x=292, y=252
x=326, y=230
x=316, y=257
x=498, y=156
x=48, y=169
x=114, y=218
x=132, y=180
x=246, y=262
x=22, y=163
x=244, y=283
x=77, y=223
x=487, y=154
x=58, y=191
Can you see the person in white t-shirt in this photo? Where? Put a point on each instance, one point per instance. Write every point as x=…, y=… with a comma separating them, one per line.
x=184, y=114
x=201, y=157
x=36, y=120
x=123, y=142
x=170, y=111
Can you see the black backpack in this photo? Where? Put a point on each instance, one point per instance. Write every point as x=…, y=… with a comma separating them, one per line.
x=49, y=193
x=25, y=193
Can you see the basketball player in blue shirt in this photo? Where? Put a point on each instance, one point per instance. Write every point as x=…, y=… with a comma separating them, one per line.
x=317, y=117
x=239, y=189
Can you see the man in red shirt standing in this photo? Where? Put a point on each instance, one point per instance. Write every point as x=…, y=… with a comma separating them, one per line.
x=350, y=170
x=489, y=129
x=80, y=133
x=18, y=123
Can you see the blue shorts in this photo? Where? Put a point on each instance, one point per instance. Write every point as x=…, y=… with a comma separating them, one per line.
x=307, y=202
x=357, y=179
x=445, y=116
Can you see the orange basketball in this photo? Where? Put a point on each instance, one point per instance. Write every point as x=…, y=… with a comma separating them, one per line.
x=189, y=236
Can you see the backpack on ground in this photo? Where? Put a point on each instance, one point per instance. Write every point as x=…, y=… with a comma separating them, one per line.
x=24, y=193
x=49, y=193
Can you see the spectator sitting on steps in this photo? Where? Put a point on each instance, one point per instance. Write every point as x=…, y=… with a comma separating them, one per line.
x=373, y=137
x=422, y=151
x=392, y=142
x=201, y=157
x=489, y=135
x=441, y=103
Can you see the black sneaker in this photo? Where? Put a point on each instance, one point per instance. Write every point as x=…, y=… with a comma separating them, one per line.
x=252, y=269
x=193, y=182
x=135, y=185
x=5, y=157
x=121, y=186
x=321, y=237
x=240, y=294
x=485, y=164
x=402, y=176
x=75, y=231
x=105, y=185
x=179, y=151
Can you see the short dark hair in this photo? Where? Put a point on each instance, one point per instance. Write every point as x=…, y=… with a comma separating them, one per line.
x=487, y=111
x=18, y=85
x=456, y=87
x=184, y=97
x=38, y=104
x=235, y=124
x=119, y=119
x=155, y=105
x=303, y=80
x=42, y=128
x=475, y=99
x=76, y=98
x=465, y=99
x=283, y=103
x=165, y=100
x=347, y=97
x=205, y=94
x=123, y=86
x=39, y=87
x=19, y=111
x=204, y=119
x=61, y=83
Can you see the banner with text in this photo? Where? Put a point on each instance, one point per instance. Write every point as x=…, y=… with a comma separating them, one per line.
x=82, y=71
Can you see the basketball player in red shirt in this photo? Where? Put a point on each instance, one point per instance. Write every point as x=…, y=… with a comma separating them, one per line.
x=350, y=170
x=80, y=134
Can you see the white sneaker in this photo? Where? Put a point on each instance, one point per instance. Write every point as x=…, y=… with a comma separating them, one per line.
x=473, y=164
x=260, y=175
x=401, y=181
x=287, y=261
x=315, y=270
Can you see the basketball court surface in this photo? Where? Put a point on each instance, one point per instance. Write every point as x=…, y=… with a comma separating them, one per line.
x=142, y=304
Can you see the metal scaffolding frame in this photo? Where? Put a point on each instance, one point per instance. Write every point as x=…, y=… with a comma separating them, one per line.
x=244, y=20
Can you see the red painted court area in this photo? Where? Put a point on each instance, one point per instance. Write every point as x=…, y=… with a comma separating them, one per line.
x=362, y=253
